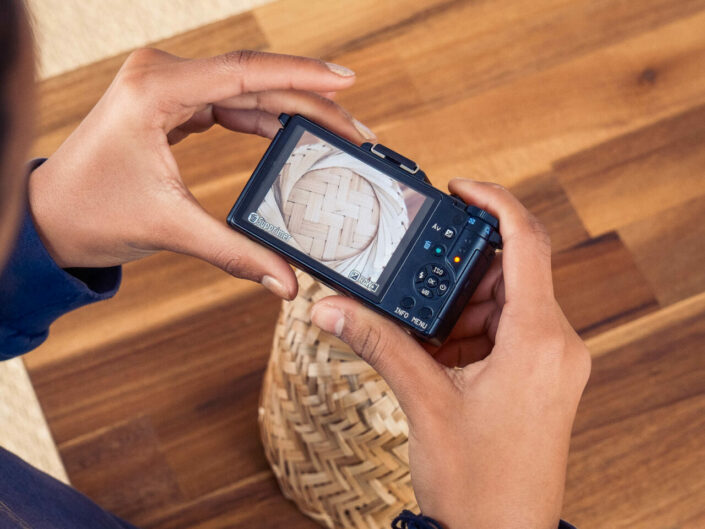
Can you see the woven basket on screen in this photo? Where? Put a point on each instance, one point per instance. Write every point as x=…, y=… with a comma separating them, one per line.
x=332, y=213
x=332, y=430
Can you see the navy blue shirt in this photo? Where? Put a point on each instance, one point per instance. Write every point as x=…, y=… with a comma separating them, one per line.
x=34, y=292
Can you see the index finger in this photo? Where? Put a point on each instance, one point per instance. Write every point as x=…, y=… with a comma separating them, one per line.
x=198, y=81
x=526, y=257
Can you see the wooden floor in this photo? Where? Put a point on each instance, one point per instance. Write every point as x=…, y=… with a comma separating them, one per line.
x=592, y=111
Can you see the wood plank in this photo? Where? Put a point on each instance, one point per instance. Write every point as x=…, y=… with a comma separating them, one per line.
x=638, y=175
x=250, y=503
x=328, y=29
x=545, y=198
x=375, y=99
x=197, y=381
x=142, y=481
x=669, y=248
x=478, y=45
x=637, y=455
x=519, y=129
x=599, y=287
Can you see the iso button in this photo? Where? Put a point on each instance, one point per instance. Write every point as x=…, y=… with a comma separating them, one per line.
x=438, y=271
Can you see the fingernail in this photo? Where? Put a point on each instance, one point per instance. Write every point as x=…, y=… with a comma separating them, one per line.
x=340, y=70
x=273, y=285
x=328, y=319
x=362, y=129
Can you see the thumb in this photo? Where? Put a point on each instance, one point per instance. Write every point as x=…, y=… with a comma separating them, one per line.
x=210, y=240
x=412, y=374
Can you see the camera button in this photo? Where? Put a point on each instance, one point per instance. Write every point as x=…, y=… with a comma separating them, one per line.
x=437, y=270
x=449, y=233
x=432, y=281
x=425, y=313
x=442, y=288
x=407, y=302
x=426, y=292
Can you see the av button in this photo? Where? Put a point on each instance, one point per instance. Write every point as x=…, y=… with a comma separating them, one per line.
x=449, y=233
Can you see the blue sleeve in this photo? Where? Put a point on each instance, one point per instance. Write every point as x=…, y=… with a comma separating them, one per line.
x=34, y=292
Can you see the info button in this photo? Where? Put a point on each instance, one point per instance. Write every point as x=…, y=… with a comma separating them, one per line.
x=407, y=303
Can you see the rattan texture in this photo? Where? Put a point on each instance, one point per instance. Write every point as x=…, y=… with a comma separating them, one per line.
x=332, y=430
x=332, y=213
x=336, y=208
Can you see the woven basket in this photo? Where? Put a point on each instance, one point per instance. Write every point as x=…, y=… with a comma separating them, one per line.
x=332, y=429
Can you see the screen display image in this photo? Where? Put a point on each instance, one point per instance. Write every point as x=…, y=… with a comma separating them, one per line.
x=338, y=210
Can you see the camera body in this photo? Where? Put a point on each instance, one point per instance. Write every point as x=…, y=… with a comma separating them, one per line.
x=367, y=222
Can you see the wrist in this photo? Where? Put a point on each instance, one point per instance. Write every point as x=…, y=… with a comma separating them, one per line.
x=39, y=210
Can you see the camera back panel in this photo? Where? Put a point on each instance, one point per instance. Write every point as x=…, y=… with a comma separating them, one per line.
x=366, y=221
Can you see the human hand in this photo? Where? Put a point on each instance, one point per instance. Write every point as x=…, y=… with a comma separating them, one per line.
x=488, y=443
x=112, y=192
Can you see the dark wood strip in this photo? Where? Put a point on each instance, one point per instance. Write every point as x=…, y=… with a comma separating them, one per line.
x=599, y=286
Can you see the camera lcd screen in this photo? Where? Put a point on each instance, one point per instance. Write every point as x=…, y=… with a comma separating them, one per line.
x=338, y=210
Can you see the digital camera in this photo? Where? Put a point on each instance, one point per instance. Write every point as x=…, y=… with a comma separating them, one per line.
x=367, y=222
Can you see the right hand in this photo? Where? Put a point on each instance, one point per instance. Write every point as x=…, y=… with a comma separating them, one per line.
x=488, y=443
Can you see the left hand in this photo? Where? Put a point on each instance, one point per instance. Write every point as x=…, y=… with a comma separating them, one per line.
x=113, y=193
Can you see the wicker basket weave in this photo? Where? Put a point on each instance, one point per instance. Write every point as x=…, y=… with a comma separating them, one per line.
x=332, y=429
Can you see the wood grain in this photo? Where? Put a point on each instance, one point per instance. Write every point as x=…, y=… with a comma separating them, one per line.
x=592, y=112
x=638, y=457
x=599, y=286
x=637, y=175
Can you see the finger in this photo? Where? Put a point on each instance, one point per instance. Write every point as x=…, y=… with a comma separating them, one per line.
x=199, y=81
x=460, y=353
x=328, y=95
x=396, y=356
x=491, y=285
x=313, y=106
x=257, y=122
x=526, y=257
x=201, y=121
x=478, y=319
x=200, y=235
